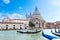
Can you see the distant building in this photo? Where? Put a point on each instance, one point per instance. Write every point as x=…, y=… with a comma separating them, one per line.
x=14, y=23
x=35, y=17
x=53, y=24
x=57, y=24
x=50, y=25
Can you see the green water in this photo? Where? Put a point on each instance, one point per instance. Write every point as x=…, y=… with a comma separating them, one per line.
x=13, y=35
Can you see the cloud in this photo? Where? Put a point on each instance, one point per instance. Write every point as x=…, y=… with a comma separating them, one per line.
x=52, y=16
x=56, y=3
x=1, y=17
x=20, y=8
x=11, y=16
x=15, y=16
x=6, y=1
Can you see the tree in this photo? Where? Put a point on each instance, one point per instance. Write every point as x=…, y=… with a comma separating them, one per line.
x=31, y=24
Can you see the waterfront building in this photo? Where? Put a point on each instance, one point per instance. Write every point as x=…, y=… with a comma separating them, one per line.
x=49, y=25
x=34, y=17
x=14, y=23
x=57, y=24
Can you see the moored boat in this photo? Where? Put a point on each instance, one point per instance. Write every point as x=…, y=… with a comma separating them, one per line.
x=29, y=32
x=55, y=33
x=48, y=36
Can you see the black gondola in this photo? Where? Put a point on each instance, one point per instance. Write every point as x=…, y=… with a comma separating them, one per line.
x=28, y=32
x=55, y=33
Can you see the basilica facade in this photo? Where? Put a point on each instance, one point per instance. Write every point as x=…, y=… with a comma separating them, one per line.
x=34, y=17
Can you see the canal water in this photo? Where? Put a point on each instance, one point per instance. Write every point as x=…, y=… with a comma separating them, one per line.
x=13, y=35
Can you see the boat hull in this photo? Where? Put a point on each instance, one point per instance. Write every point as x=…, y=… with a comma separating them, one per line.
x=48, y=36
x=28, y=32
x=55, y=33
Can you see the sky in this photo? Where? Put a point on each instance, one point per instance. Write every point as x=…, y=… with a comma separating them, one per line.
x=49, y=9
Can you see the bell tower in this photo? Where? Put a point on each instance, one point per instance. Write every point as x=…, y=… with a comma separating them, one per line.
x=26, y=15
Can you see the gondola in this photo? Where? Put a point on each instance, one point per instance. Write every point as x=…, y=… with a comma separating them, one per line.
x=28, y=32
x=55, y=33
x=48, y=36
x=55, y=30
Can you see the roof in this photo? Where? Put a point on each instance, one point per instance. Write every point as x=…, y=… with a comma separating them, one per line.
x=36, y=12
x=10, y=23
x=20, y=19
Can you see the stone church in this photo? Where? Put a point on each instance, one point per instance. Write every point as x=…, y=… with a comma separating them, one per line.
x=36, y=18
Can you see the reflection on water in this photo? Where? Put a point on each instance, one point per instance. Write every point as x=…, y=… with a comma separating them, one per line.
x=13, y=35
x=37, y=36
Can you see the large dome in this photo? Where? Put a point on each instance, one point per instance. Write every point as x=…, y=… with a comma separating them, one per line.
x=36, y=12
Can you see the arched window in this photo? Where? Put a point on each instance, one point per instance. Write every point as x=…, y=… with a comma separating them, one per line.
x=25, y=27
x=14, y=27
x=6, y=25
x=36, y=22
x=36, y=19
x=6, y=28
x=20, y=27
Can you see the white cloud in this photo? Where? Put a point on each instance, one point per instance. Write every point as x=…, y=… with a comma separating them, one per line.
x=52, y=16
x=1, y=17
x=6, y=1
x=20, y=8
x=11, y=16
x=15, y=16
x=0, y=14
x=56, y=3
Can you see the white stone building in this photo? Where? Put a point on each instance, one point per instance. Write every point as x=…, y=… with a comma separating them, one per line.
x=35, y=17
x=14, y=23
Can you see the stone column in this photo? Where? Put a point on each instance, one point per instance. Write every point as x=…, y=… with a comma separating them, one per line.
x=44, y=25
x=40, y=24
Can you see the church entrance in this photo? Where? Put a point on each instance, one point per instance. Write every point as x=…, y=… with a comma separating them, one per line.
x=37, y=25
